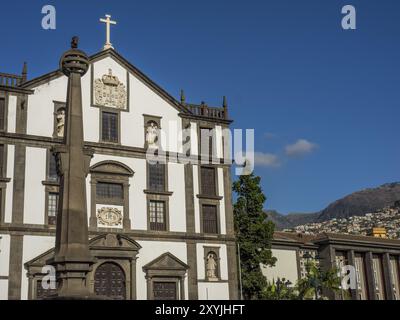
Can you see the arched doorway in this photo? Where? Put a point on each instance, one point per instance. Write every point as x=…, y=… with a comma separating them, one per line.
x=109, y=281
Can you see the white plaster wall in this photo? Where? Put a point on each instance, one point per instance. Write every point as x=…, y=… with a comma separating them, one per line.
x=150, y=251
x=194, y=145
x=35, y=173
x=41, y=106
x=4, y=289
x=213, y=291
x=200, y=260
x=196, y=200
x=285, y=266
x=4, y=254
x=33, y=247
x=10, y=185
x=12, y=113
x=91, y=115
x=145, y=101
x=222, y=220
x=177, y=207
x=137, y=198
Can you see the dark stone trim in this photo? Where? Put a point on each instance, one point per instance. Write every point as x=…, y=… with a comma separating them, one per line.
x=3, y=277
x=19, y=184
x=110, y=177
x=233, y=274
x=370, y=275
x=209, y=197
x=5, y=96
x=387, y=276
x=229, y=218
x=15, y=267
x=160, y=193
x=189, y=199
x=191, y=251
x=44, y=230
x=16, y=90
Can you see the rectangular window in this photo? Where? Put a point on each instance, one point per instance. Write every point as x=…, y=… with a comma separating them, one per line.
x=157, y=177
x=2, y=167
x=52, y=174
x=2, y=113
x=157, y=216
x=52, y=208
x=109, y=190
x=206, y=142
x=109, y=127
x=210, y=224
x=208, y=183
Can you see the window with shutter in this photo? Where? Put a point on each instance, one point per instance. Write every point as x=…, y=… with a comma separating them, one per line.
x=109, y=190
x=109, y=127
x=210, y=224
x=157, y=177
x=52, y=174
x=208, y=183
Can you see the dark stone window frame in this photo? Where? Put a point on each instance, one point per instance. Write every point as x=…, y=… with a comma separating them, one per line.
x=201, y=125
x=217, y=191
x=159, y=198
x=164, y=192
x=216, y=250
x=110, y=172
x=147, y=118
x=50, y=188
x=5, y=96
x=118, y=117
x=210, y=202
x=175, y=272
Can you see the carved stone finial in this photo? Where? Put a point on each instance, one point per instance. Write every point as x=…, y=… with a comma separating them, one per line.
x=224, y=102
x=74, y=42
x=183, y=98
x=24, y=72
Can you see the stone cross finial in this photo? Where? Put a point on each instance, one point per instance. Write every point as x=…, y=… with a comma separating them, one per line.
x=108, y=23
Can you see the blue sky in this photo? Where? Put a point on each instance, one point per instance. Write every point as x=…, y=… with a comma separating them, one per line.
x=324, y=102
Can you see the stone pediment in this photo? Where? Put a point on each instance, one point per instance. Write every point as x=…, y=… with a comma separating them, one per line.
x=166, y=261
x=111, y=167
x=113, y=241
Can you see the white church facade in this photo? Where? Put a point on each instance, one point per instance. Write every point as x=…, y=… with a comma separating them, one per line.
x=157, y=231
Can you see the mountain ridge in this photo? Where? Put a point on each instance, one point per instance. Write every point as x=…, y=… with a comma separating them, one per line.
x=358, y=203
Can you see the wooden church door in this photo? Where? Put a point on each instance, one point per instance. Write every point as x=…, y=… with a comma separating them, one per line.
x=109, y=281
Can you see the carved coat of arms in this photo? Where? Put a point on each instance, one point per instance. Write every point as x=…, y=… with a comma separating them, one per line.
x=109, y=217
x=110, y=92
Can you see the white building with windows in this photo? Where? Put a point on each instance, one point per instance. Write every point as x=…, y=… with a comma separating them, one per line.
x=157, y=231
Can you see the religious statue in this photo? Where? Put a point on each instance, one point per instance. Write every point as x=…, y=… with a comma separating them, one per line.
x=60, y=118
x=211, y=266
x=152, y=134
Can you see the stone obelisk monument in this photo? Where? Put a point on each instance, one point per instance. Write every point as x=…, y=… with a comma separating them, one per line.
x=72, y=258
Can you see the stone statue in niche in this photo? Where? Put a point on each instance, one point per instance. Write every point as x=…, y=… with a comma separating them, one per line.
x=110, y=92
x=152, y=134
x=211, y=266
x=60, y=119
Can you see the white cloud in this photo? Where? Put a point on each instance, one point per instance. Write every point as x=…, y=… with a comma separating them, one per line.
x=300, y=147
x=266, y=159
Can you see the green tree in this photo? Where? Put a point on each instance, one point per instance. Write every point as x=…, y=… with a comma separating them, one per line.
x=316, y=281
x=281, y=289
x=254, y=235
